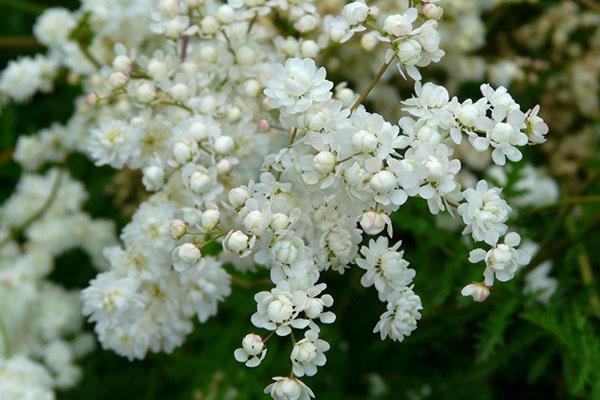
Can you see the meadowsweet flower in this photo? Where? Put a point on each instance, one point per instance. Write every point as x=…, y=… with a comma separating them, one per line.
x=484, y=213
x=297, y=86
x=400, y=319
x=503, y=260
x=289, y=389
x=385, y=267
x=308, y=354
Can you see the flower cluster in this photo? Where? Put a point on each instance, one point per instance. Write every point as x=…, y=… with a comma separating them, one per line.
x=41, y=334
x=244, y=143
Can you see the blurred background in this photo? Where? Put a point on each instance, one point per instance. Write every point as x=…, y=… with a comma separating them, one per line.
x=512, y=346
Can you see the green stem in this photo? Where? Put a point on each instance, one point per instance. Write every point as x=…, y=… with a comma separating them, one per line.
x=90, y=57
x=39, y=213
x=372, y=84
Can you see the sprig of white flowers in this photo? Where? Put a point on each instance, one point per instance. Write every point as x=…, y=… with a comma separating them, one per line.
x=241, y=141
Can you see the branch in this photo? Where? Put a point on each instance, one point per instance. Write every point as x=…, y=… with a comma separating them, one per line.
x=372, y=84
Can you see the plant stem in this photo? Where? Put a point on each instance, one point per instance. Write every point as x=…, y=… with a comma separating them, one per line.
x=174, y=104
x=372, y=84
x=587, y=278
x=18, y=42
x=247, y=284
x=90, y=57
x=39, y=213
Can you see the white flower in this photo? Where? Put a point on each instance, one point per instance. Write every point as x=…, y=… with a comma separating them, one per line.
x=484, y=213
x=185, y=256
x=298, y=85
x=289, y=389
x=355, y=12
x=114, y=143
x=401, y=316
x=53, y=27
x=400, y=24
x=308, y=354
x=278, y=311
x=539, y=282
x=503, y=260
x=535, y=189
x=478, y=291
x=239, y=243
x=252, y=351
x=373, y=223
x=385, y=267
x=536, y=129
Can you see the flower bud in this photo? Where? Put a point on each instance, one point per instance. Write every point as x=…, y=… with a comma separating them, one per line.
x=373, y=222
x=279, y=221
x=157, y=69
x=182, y=152
x=236, y=242
x=153, y=177
x=382, y=181
x=409, y=52
x=91, y=98
x=280, y=310
x=238, y=196
x=338, y=30
x=255, y=222
x=208, y=54
x=252, y=344
x=122, y=63
x=432, y=11
x=117, y=79
x=502, y=133
x=355, y=12
x=224, y=144
x=324, y=162
x=210, y=219
x=225, y=14
x=307, y=23
x=368, y=41
x=309, y=48
x=262, y=125
x=345, y=95
x=207, y=104
x=209, y=25
x=364, y=142
x=397, y=25
x=177, y=228
x=145, y=93
x=468, y=114
x=245, y=55
x=189, y=253
x=168, y=7
x=224, y=166
x=180, y=91
x=251, y=88
x=198, y=131
x=233, y=114
x=199, y=182
x=313, y=309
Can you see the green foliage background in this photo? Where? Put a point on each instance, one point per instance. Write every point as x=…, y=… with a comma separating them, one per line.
x=507, y=347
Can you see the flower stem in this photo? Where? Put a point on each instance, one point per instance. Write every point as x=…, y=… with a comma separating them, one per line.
x=372, y=84
x=39, y=213
x=18, y=42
